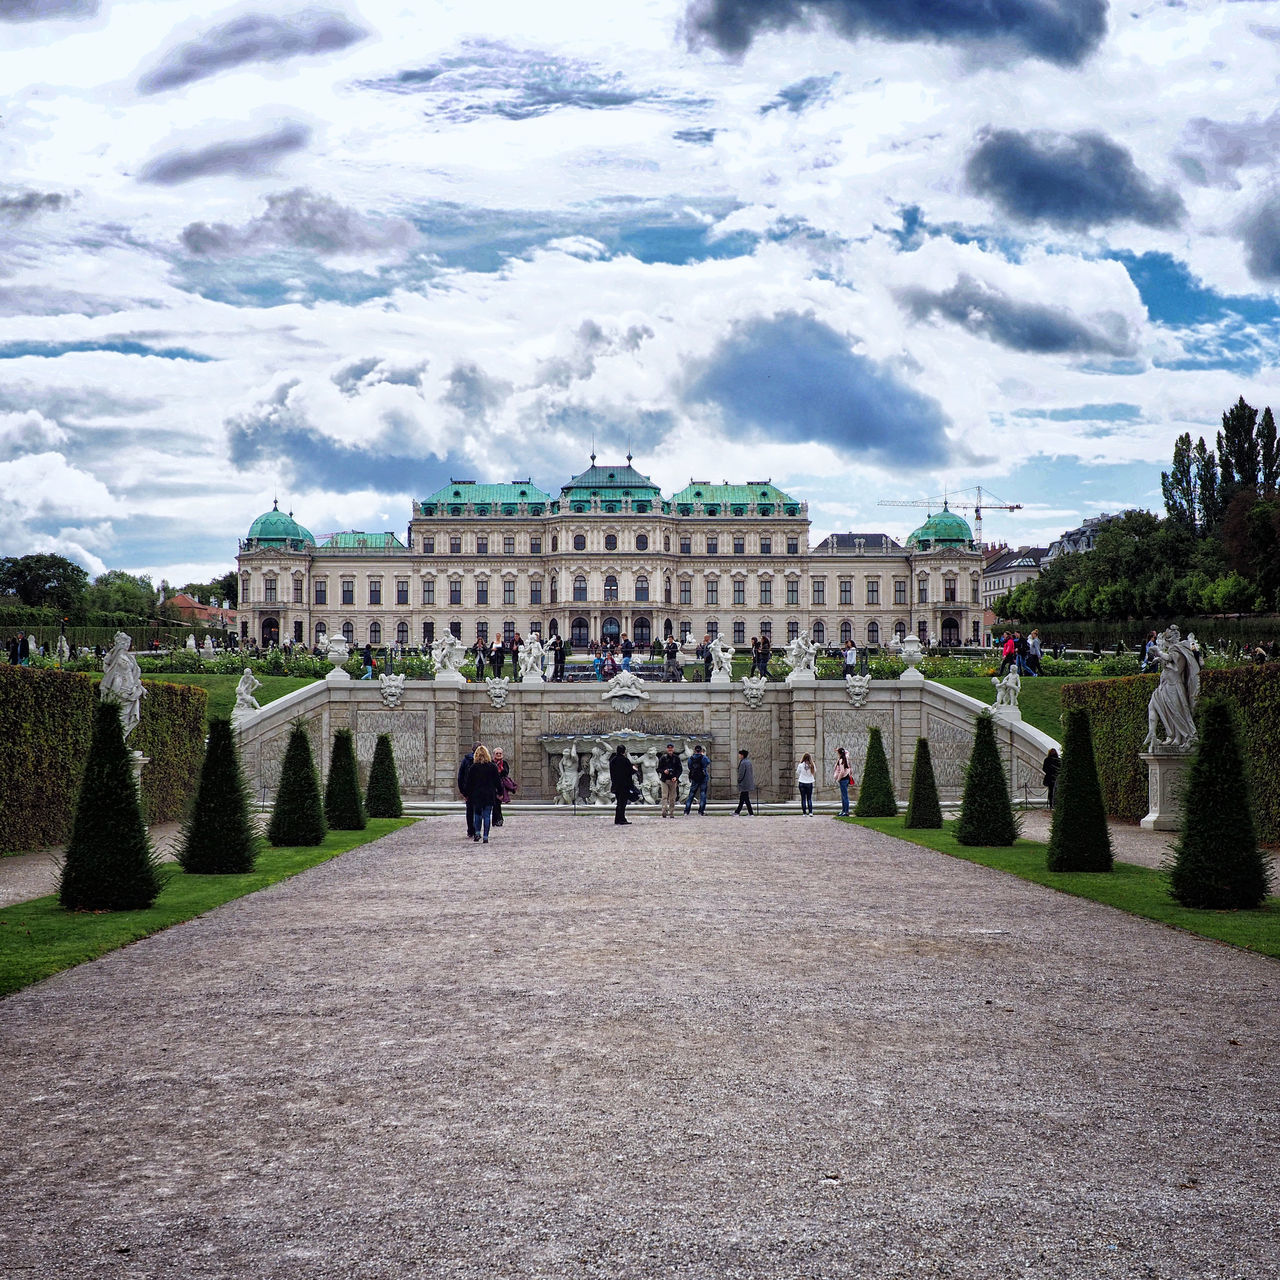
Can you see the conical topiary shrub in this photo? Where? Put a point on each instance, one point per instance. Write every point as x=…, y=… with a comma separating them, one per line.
x=986, y=813
x=219, y=838
x=298, y=816
x=110, y=864
x=875, y=796
x=1216, y=862
x=923, y=809
x=343, y=807
x=382, y=796
x=1078, y=836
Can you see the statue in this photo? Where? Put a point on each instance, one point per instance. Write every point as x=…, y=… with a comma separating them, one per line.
x=650, y=784
x=531, y=659
x=601, y=784
x=802, y=654
x=208, y=646
x=567, y=777
x=721, y=659
x=191, y=641
x=1008, y=689
x=245, y=701
x=122, y=682
x=497, y=687
x=859, y=690
x=1173, y=703
x=753, y=688
x=625, y=692
x=448, y=654
x=392, y=689
x=64, y=649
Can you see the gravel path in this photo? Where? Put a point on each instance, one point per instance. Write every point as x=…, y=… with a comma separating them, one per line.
x=701, y=1048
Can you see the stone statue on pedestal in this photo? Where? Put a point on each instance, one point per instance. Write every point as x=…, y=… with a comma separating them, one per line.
x=1008, y=689
x=531, y=659
x=122, y=682
x=448, y=654
x=191, y=641
x=1173, y=703
x=245, y=701
x=721, y=659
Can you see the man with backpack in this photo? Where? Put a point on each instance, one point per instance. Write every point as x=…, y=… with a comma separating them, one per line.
x=699, y=778
x=464, y=769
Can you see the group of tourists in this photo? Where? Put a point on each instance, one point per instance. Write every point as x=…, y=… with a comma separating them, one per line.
x=485, y=783
x=1023, y=653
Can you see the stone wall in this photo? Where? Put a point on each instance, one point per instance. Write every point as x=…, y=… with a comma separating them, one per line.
x=437, y=724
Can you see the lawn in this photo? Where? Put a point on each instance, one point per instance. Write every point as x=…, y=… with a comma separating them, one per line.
x=1040, y=701
x=1137, y=890
x=222, y=689
x=39, y=938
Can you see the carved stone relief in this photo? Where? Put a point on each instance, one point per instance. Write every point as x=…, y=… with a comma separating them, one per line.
x=852, y=730
x=755, y=733
x=409, y=746
x=950, y=746
x=498, y=729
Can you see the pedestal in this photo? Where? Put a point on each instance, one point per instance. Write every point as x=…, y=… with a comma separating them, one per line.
x=533, y=677
x=453, y=679
x=1166, y=772
x=912, y=676
x=136, y=762
x=799, y=677
x=337, y=674
x=721, y=678
x=1007, y=714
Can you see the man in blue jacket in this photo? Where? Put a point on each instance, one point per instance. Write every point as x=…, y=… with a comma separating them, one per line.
x=699, y=777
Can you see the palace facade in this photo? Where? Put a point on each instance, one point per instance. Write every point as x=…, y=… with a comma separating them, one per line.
x=610, y=556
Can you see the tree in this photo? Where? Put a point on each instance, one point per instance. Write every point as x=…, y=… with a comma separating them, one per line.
x=1217, y=865
x=109, y=864
x=297, y=818
x=1238, y=454
x=219, y=837
x=1179, y=484
x=1206, y=472
x=1268, y=455
x=923, y=809
x=382, y=796
x=119, y=592
x=44, y=581
x=986, y=814
x=1078, y=836
x=875, y=796
x=343, y=807
x=215, y=590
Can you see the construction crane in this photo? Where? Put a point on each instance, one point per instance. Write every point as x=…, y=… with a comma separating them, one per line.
x=982, y=502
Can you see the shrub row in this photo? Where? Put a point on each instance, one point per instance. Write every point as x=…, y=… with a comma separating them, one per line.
x=46, y=723
x=1118, y=712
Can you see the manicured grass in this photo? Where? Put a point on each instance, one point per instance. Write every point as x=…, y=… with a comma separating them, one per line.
x=1139, y=890
x=1040, y=700
x=38, y=938
x=222, y=689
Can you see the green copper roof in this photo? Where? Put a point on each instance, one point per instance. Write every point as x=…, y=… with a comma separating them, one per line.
x=355, y=538
x=276, y=528
x=463, y=491
x=945, y=529
x=613, y=478
x=731, y=495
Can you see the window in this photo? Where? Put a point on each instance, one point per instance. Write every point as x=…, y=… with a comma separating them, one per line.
x=846, y=631
x=766, y=546
x=555, y=589
x=739, y=591
x=686, y=546
x=793, y=549
x=402, y=591
x=535, y=546
x=819, y=586
x=766, y=590
x=297, y=592
x=739, y=545
x=766, y=630
x=899, y=591
x=455, y=590
x=428, y=591
x=642, y=542
x=455, y=545
x=428, y=632
x=348, y=591
x=322, y=593
x=846, y=590
x=666, y=590
x=819, y=633
x=922, y=630
x=482, y=591
x=535, y=626
x=482, y=630
x=922, y=591
x=713, y=591
x=269, y=590
x=535, y=591
x=348, y=633
x=402, y=633
x=579, y=541
x=579, y=632
x=508, y=545
x=579, y=588
x=686, y=591
x=793, y=630
x=899, y=630
x=610, y=588
x=555, y=542
x=508, y=631
x=297, y=630
x=739, y=633
x=455, y=629
x=666, y=542
x=375, y=590
x=873, y=632
x=949, y=590
x=611, y=542
x=508, y=593
x=713, y=628
x=686, y=629
x=429, y=545
x=873, y=590
x=974, y=588
x=482, y=544
x=642, y=588
x=713, y=546
x=322, y=632
x=793, y=592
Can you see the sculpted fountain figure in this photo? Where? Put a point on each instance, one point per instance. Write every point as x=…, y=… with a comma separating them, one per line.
x=567, y=777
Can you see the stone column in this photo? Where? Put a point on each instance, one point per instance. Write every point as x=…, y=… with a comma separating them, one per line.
x=1166, y=775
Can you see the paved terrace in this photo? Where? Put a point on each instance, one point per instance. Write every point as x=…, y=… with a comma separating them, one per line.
x=711, y=1048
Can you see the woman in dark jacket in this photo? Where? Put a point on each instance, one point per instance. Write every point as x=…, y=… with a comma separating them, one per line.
x=504, y=781
x=621, y=779
x=1051, y=766
x=482, y=790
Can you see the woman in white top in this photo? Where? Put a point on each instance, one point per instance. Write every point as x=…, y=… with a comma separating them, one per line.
x=806, y=777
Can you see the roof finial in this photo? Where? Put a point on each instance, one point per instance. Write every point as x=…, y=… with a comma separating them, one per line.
x=275, y=503
x=593, y=448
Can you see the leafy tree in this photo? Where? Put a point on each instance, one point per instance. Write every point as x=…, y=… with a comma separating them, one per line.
x=986, y=813
x=219, y=837
x=923, y=809
x=1179, y=484
x=1238, y=453
x=1217, y=865
x=1206, y=469
x=343, y=807
x=1078, y=836
x=119, y=592
x=382, y=796
x=44, y=581
x=109, y=864
x=216, y=589
x=875, y=796
x=1268, y=455
x=297, y=817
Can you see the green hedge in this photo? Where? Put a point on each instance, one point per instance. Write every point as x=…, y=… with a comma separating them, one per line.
x=46, y=722
x=1118, y=711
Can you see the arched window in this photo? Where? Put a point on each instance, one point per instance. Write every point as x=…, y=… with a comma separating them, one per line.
x=666, y=629
x=642, y=542
x=666, y=591
x=611, y=542
x=846, y=631
x=950, y=631
x=642, y=588
x=555, y=589
x=819, y=633
x=553, y=628
x=579, y=541
x=579, y=632
x=611, y=588
x=348, y=633
x=899, y=631
x=873, y=633
x=375, y=633
x=579, y=588
x=322, y=633
x=402, y=633
x=642, y=632
x=666, y=542
x=610, y=629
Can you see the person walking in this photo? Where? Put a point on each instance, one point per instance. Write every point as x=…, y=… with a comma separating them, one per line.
x=1051, y=766
x=671, y=652
x=806, y=777
x=843, y=776
x=699, y=778
x=766, y=652
x=850, y=657
x=368, y=663
x=705, y=653
x=622, y=775
x=669, y=770
x=482, y=791
x=517, y=643
x=464, y=771
x=504, y=780
x=746, y=782
x=627, y=649
x=1008, y=654
x=1035, y=651
x=497, y=658
x=480, y=657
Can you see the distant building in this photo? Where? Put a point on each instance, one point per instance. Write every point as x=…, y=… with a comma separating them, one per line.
x=1080, y=538
x=1005, y=570
x=213, y=616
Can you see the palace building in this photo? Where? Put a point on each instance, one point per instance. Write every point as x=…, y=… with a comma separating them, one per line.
x=609, y=556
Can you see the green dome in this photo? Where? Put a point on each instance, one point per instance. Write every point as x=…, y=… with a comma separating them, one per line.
x=946, y=529
x=275, y=528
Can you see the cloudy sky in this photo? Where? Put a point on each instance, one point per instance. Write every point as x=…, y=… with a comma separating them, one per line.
x=866, y=249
